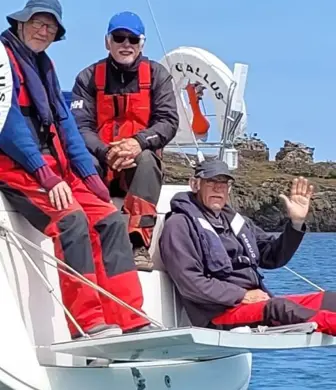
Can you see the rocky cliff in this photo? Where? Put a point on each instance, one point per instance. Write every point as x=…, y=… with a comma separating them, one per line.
x=259, y=183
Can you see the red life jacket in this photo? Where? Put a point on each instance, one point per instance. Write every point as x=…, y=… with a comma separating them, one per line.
x=26, y=106
x=122, y=115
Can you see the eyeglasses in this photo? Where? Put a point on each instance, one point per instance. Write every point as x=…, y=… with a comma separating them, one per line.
x=38, y=24
x=218, y=183
x=133, y=40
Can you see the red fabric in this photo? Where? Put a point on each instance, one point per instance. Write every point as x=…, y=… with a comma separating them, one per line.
x=310, y=301
x=24, y=99
x=136, y=208
x=133, y=109
x=123, y=286
x=252, y=313
x=326, y=322
x=242, y=314
x=122, y=116
x=84, y=303
x=325, y=319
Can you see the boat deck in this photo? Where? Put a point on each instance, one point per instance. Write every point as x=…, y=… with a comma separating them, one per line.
x=189, y=343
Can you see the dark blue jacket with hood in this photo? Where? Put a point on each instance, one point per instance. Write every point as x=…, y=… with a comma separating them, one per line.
x=213, y=261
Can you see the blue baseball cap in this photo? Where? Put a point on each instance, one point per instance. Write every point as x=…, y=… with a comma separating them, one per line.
x=126, y=21
x=33, y=7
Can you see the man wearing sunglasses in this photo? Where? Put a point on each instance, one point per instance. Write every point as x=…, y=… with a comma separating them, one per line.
x=47, y=174
x=125, y=108
x=213, y=255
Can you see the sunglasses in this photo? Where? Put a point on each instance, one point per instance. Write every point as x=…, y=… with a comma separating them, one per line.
x=122, y=38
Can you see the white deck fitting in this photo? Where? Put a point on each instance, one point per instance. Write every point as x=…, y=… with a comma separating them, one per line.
x=189, y=343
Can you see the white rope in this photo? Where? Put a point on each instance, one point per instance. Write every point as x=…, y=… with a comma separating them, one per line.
x=156, y=26
x=14, y=241
x=292, y=271
x=185, y=154
x=304, y=278
x=176, y=86
x=72, y=272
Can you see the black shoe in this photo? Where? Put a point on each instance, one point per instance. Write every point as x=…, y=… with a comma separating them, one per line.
x=100, y=331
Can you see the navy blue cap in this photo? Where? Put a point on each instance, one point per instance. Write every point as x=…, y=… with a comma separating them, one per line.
x=33, y=7
x=127, y=21
x=210, y=169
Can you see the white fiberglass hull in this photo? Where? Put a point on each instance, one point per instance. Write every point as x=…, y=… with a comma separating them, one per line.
x=230, y=373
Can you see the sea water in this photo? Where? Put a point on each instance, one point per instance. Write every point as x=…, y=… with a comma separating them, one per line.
x=305, y=369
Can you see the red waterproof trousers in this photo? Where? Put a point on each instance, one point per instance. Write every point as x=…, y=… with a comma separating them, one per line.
x=287, y=310
x=90, y=236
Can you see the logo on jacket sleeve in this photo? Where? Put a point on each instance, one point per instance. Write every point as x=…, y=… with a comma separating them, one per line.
x=6, y=85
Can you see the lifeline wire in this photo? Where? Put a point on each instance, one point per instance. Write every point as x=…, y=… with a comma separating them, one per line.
x=165, y=53
x=304, y=278
x=294, y=272
x=14, y=241
x=79, y=276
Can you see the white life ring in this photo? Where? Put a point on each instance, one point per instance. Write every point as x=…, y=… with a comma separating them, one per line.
x=6, y=85
x=195, y=65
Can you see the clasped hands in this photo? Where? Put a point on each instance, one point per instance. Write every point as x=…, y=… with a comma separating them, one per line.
x=122, y=154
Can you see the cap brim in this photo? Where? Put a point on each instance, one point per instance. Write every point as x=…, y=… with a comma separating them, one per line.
x=131, y=30
x=25, y=14
x=218, y=174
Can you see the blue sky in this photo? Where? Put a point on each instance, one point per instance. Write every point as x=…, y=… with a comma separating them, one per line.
x=289, y=45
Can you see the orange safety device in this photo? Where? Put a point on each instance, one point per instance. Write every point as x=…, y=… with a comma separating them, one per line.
x=200, y=125
x=122, y=115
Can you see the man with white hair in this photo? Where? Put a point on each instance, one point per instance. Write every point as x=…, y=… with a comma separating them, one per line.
x=48, y=176
x=125, y=108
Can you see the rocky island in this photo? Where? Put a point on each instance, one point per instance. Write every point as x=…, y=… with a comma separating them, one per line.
x=260, y=181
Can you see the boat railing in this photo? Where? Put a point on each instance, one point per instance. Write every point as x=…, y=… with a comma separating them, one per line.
x=13, y=238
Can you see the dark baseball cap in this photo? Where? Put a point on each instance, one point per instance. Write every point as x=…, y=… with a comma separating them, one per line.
x=210, y=169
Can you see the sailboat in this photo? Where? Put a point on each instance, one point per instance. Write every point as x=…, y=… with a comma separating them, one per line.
x=36, y=351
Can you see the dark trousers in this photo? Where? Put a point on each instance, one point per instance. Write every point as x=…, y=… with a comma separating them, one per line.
x=90, y=236
x=141, y=187
x=287, y=310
